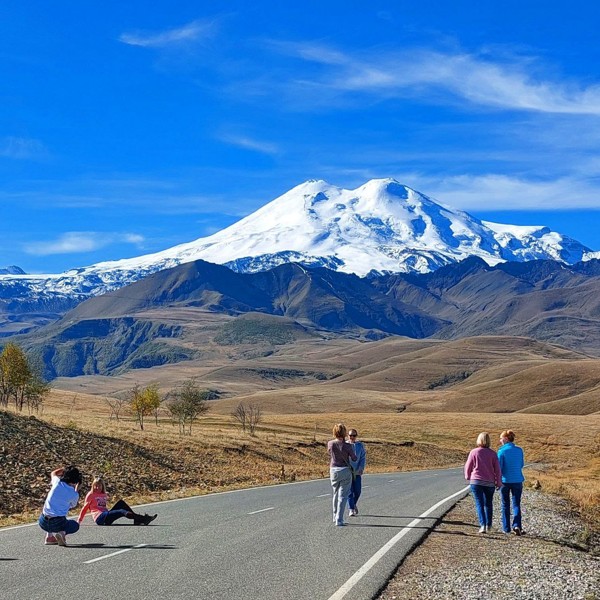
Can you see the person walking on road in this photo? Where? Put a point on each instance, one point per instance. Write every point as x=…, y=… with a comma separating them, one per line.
x=358, y=467
x=482, y=471
x=96, y=501
x=62, y=497
x=511, y=460
x=340, y=454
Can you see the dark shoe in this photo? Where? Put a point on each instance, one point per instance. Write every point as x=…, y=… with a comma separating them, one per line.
x=148, y=519
x=517, y=530
x=138, y=519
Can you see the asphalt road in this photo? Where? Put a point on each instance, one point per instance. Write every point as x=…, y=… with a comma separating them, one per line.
x=275, y=542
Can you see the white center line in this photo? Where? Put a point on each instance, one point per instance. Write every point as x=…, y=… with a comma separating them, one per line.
x=324, y=496
x=345, y=589
x=261, y=510
x=87, y=562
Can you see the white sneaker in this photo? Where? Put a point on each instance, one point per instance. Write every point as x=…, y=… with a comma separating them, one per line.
x=61, y=538
x=50, y=540
x=482, y=529
x=351, y=513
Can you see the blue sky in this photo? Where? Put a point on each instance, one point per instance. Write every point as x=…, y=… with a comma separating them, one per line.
x=129, y=127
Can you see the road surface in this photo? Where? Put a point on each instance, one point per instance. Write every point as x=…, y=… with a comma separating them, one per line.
x=270, y=543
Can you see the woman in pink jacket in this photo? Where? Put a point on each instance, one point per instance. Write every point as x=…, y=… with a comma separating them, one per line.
x=482, y=471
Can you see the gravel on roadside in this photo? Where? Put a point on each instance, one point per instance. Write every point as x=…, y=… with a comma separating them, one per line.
x=557, y=558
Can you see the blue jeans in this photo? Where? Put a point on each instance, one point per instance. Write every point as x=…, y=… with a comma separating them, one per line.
x=516, y=490
x=341, y=482
x=484, y=503
x=355, y=491
x=120, y=509
x=55, y=524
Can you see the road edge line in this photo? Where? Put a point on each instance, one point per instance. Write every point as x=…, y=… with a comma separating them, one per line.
x=354, y=579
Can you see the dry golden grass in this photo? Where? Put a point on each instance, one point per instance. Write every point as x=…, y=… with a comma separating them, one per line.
x=564, y=448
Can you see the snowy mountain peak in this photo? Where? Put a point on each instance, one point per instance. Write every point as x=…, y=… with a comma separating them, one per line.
x=381, y=226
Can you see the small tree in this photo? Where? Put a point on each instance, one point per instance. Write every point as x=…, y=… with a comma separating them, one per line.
x=240, y=415
x=116, y=405
x=254, y=417
x=153, y=399
x=187, y=403
x=36, y=391
x=248, y=416
x=15, y=374
x=143, y=402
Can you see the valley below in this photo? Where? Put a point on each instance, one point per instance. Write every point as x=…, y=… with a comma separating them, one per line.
x=417, y=404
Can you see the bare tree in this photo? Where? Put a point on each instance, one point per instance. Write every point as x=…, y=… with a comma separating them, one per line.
x=248, y=416
x=240, y=415
x=116, y=405
x=254, y=417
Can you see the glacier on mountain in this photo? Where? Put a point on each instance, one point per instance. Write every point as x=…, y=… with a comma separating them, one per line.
x=381, y=226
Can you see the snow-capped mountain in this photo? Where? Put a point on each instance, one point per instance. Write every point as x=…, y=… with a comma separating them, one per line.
x=380, y=227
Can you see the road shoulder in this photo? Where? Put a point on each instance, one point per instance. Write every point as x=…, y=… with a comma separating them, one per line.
x=558, y=557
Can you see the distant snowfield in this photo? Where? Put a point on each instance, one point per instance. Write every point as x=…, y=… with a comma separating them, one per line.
x=382, y=226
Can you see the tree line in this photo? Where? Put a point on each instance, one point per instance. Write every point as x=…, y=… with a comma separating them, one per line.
x=22, y=385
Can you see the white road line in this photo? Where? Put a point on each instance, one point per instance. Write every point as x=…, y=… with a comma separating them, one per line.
x=341, y=593
x=391, y=481
x=261, y=510
x=324, y=496
x=88, y=562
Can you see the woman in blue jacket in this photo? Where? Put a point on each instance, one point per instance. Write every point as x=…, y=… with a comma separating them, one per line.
x=358, y=466
x=511, y=464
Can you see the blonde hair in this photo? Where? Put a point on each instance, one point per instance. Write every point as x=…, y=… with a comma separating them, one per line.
x=483, y=439
x=98, y=481
x=339, y=431
x=509, y=434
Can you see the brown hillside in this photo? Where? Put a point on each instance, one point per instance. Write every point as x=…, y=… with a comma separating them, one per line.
x=485, y=374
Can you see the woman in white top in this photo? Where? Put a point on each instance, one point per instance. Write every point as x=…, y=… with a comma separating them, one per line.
x=63, y=496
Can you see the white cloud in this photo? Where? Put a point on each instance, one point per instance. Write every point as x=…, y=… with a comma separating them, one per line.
x=192, y=32
x=21, y=148
x=73, y=242
x=504, y=85
x=501, y=192
x=249, y=143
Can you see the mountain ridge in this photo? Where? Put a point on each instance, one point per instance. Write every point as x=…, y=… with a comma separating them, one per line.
x=381, y=227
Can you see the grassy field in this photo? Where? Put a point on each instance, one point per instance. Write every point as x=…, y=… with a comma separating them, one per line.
x=564, y=449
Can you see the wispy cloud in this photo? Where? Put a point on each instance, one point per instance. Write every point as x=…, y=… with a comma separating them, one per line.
x=191, y=32
x=244, y=141
x=81, y=241
x=514, y=84
x=504, y=193
x=21, y=148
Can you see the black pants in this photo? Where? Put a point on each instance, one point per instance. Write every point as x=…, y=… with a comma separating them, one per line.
x=120, y=509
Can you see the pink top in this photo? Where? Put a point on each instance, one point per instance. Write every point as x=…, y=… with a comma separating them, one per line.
x=95, y=502
x=341, y=453
x=483, y=465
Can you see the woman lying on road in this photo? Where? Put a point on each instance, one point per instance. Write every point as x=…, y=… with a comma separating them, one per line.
x=96, y=503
